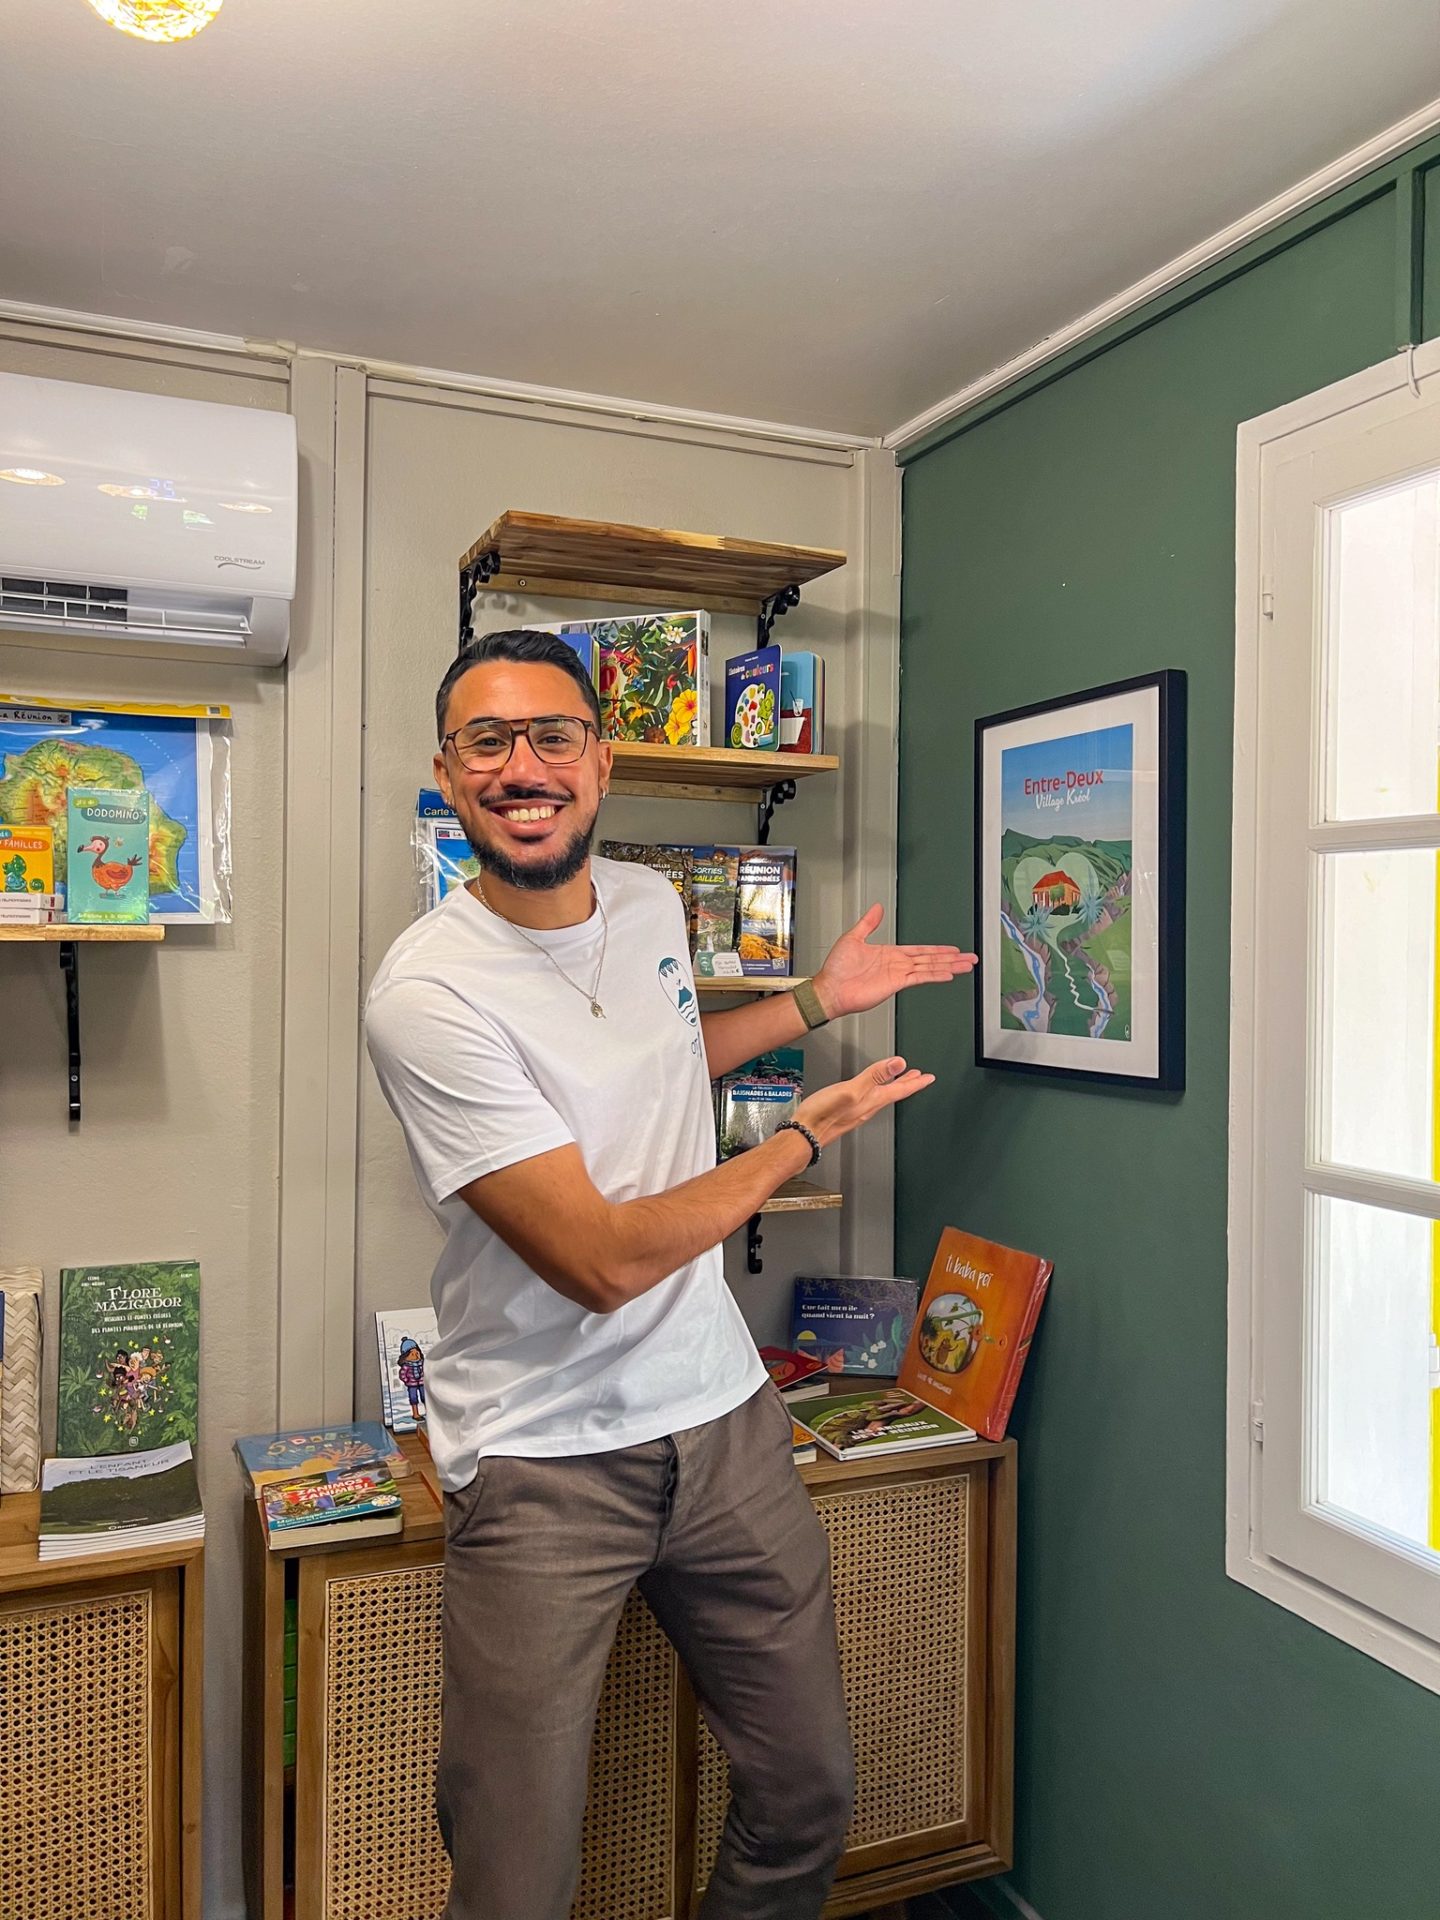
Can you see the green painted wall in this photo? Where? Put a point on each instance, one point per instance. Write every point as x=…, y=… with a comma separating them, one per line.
x=1186, y=1749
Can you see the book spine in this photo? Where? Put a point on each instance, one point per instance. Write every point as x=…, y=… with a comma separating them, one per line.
x=994, y=1427
x=702, y=679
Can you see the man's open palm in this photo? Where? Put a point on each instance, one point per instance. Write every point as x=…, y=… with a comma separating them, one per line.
x=858, y=975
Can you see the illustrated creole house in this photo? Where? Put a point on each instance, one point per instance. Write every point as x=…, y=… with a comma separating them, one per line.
x=1057, y=892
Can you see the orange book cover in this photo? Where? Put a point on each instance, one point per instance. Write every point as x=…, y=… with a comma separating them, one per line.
x=973, y=1330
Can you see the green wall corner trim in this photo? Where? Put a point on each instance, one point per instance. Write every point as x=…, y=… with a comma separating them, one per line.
x=1403, y=177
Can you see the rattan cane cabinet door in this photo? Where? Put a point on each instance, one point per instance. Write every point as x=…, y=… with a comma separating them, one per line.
x=89, y=1722
x=368, y=1845
x=907, y=1567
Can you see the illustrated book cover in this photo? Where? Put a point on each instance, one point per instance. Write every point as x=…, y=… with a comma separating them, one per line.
x=129, y=1357
x=95, y=1505
x=752, y=699
x=107, y=877
x=795, y=1373
x=854, y=1323
x=802, y=703
x=971, y=1336
x=404, y=1337
x=653, y=675
x=295, y=1452
x=362, y=1501
x=854, y=1426
x=27, y=860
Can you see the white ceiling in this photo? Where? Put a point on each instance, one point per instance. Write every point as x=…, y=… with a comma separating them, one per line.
x=831, y=214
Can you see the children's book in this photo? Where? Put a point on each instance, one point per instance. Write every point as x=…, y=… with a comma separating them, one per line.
x=653, y=675
x=361, y=1502
x=854, y=1426
x=799, y=1376
x=766, y=910
x=97, y=1505
x=404, y=1338
x=129, y=1357
x=295, y=1452
x=27, y=860
x=802, y=1445
x=802, y=703
x=853, y=1323
x=973, y=1331
x=752, y=699
x=107, y=876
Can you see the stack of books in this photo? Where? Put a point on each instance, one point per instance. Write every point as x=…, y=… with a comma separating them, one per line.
x=103, y=1503
x=799, y=1377
x=325, y=1483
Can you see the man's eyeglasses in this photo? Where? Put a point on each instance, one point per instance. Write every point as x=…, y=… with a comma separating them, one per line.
x=486, y=745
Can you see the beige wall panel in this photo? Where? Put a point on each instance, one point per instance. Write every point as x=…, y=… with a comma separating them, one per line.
x=176, y=1155
x=439, y=472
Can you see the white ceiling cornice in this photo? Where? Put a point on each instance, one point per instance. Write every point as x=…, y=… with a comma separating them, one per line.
x=1340, y=173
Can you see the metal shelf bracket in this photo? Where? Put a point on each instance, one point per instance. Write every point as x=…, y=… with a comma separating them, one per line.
x=775, y=796
x=472, y=578
x=754, y=1240
x=771, y=610
x=69, y=966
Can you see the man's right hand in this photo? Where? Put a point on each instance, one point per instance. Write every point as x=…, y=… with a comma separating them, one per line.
x=838, y=1110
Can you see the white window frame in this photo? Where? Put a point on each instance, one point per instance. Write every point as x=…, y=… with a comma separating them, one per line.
x=1331, y=1575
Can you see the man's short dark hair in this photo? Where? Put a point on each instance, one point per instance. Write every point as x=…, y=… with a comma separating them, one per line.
x=524, y=645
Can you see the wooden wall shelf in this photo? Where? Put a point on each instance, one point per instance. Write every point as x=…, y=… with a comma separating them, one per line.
x=63, y=931
x=803, y=1196
x=563, y=559
x=709, y=773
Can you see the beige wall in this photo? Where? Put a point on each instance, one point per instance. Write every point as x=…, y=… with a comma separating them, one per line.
x=177, y=1153
x=228, y=1111
x=439, y=469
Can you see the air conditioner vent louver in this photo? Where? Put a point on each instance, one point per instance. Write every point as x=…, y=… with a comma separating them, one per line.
x=83, y=609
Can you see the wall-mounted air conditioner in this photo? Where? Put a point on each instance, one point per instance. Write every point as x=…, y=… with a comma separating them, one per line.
x=146, y=519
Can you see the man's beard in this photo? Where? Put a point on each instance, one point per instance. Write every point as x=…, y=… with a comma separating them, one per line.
x=537, y=876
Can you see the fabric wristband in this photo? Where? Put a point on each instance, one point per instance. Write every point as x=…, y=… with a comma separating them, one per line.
x=808, y=1001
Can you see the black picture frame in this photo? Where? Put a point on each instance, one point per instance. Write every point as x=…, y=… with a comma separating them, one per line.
x=1150, y=1052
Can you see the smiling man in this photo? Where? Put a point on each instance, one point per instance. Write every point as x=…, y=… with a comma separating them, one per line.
x=597, y=1411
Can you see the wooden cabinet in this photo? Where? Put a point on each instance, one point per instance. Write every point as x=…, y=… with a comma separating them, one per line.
x=101, y=1662
x=922, y=1551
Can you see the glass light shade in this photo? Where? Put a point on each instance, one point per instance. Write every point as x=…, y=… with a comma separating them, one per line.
x=160, y=20
x=30, y=477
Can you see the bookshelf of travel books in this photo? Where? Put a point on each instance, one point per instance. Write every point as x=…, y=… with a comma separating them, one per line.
x=922, y=1552
x=568, y=559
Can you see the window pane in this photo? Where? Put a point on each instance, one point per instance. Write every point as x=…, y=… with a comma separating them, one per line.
x=1383, y=621
x=1377, y=1098
x=1372, y=1280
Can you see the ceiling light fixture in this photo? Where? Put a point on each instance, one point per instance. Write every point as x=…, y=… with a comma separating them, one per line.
x=245, y=506
x=117, y=492
x=158, y=20
x=30, y=477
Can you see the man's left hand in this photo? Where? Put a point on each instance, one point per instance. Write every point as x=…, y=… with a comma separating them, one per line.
x=857, y=976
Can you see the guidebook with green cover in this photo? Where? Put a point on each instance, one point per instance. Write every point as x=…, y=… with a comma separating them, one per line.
x=98, y=1505
x=853, y=1426
x=129, y=1357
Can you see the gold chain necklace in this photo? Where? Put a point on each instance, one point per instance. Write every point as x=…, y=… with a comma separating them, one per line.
x=597, y=1011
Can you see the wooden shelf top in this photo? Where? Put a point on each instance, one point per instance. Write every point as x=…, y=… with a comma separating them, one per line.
x=754, y=983
x=564, y=559
x=22, y=1569
x=803, y=1196
x=709, y=773
x=63, y=931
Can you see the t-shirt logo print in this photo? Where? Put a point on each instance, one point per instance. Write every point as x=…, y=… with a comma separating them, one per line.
x=680, y=995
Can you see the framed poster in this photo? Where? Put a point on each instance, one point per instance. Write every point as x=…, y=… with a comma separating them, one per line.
x=1080, y=885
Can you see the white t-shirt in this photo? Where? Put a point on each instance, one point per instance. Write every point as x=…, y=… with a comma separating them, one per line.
x=487, y=1057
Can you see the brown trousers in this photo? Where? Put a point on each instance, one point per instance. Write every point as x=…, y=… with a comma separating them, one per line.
x=716, y=1529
